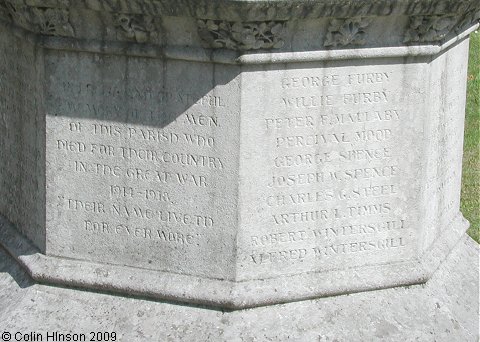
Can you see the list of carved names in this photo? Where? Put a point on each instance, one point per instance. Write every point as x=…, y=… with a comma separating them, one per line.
x=154, y=167
x=336, y=181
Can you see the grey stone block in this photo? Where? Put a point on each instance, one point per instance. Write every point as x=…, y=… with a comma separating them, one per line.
x=238, y=157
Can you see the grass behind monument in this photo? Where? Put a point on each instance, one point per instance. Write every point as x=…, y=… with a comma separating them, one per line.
x=471, y=159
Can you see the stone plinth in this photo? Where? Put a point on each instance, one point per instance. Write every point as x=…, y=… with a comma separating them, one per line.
x=234, y=153
x=442, y=310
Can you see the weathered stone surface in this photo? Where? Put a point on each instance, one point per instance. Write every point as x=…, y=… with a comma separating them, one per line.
x=443, y=310
x=22, y=137
x=143, y=160
x=239, y=25
x=232, y=162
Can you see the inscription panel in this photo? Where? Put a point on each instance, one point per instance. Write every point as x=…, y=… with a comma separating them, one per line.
x=143, y=162
x=331, y=167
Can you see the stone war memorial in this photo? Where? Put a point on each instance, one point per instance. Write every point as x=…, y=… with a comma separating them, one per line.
x=233, y=170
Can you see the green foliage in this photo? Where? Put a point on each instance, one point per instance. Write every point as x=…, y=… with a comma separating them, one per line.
x=471, y=159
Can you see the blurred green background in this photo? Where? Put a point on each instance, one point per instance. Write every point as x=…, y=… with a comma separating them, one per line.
x=471, y=162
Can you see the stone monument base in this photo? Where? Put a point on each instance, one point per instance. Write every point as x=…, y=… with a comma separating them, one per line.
x=444, y=309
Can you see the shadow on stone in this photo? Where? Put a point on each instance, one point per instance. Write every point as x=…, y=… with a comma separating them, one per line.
x=18, y=274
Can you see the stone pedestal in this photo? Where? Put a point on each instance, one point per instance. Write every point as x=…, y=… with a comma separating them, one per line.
x=445, y=309
x=232, y=154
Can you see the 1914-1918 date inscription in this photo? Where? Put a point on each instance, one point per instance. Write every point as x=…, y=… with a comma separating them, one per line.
x=139, y=168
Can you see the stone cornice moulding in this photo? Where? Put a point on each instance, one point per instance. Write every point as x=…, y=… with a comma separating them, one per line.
x=225, y=56
x=354, y=53
x=260, y=10
x=141, y=22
